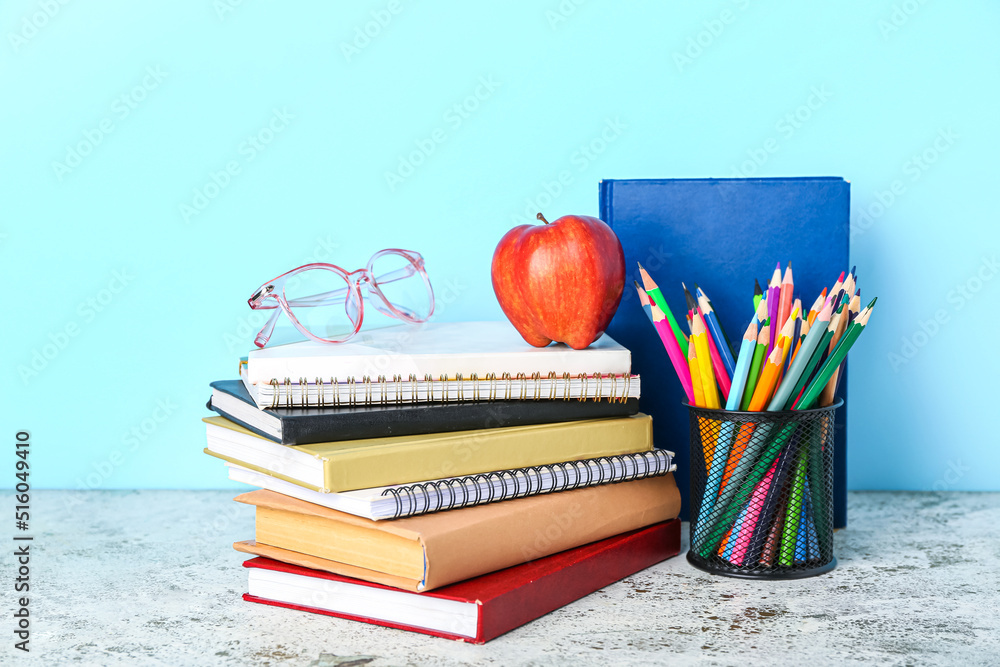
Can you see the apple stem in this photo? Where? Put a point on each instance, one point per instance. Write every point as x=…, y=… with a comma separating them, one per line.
x=542, y=218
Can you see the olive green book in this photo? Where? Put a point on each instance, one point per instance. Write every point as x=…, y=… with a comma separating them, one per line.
x=361, y=464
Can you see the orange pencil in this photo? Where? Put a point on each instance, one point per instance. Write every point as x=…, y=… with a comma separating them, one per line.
x=769, y=376
x=786, y=297
x=736, y=453
x=786, y=334
x=817, y=306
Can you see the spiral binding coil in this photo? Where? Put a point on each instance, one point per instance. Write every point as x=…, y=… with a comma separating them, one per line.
x=445, y=389
x=446, y=494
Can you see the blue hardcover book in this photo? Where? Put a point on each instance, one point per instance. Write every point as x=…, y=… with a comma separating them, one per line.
x=721, y=234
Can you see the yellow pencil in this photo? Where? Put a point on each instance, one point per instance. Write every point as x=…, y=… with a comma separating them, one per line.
x=699, y=395
x=700, y=336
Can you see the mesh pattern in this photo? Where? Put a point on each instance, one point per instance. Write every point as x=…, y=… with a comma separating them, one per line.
x=762, y=492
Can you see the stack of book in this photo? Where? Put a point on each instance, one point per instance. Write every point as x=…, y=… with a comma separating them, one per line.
x=445, y=478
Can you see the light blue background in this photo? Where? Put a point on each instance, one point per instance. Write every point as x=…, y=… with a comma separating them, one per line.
x=888, y=81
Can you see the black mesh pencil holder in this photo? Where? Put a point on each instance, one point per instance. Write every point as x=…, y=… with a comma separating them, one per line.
x=762, y=492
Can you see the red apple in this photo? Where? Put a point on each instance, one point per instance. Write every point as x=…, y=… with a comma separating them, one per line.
x=561, y=281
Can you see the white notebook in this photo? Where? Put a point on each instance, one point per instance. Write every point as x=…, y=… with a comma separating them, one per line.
x=435, y=349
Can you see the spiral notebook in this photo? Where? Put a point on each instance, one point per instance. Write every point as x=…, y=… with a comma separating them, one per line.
x=303, y=426
x=394, y=502
x=436, y=362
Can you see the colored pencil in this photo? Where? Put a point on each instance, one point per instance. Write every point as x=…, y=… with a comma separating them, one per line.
x=785, y=296
x=829, y=394
x=694, y=370
x=699, y=336
x=801, y=541
x=657, y=297
x=722, y=329
x=790, y=532
x=773, y=541
x=769, y=510
x=758, y=293
x=814, y=389
x=784, y=341
x=742, y=370
x=692, y=305
x=749, y=525
x=773, y=298
x=644, y=301
x=717, y=470
x=760, y=314
x=803, y=331
x=790, y=385
x=756, y=364
x=838, y=285
x=841, y=328
x=721, y=345
x=718, y=366
x=729, y=543
x=812, y=538
x=849, y=286
x=768, y=376
x=817, y=306
x=677, y=359
x=796, y=323
x=815, y=361
x=761, y=452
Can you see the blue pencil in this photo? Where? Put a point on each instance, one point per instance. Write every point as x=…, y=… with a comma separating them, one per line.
x=644, y=300
x=712, y=322
x=814, y=550
x=801, y=550
x=742, y=369
x=727, y=429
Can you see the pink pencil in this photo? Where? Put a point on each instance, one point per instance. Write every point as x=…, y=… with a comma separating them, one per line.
x=756, y=503
x=673, y=351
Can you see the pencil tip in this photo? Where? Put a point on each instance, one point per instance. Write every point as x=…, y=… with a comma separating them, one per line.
x=873, y=302
x=841, y=278
x=854, y=269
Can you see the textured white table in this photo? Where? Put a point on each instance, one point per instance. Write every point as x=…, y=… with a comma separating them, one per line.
x=149, y=577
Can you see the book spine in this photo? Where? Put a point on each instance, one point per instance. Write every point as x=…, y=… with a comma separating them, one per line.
x=286, y=393
x=455, y=493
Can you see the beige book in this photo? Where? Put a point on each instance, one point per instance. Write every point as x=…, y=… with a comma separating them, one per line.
x=425, y=552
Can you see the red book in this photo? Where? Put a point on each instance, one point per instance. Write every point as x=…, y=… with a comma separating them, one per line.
x=475, y=610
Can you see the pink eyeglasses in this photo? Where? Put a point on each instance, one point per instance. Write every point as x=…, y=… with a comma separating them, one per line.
x=326, y=303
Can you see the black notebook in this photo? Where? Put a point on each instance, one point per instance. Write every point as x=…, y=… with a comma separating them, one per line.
x=303, y=426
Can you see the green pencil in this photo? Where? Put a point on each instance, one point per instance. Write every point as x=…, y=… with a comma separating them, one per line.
x=824, y=374
x=790, y=531
x=657, y=296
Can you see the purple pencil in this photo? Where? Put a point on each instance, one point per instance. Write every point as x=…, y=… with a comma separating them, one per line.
x=773, y=296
